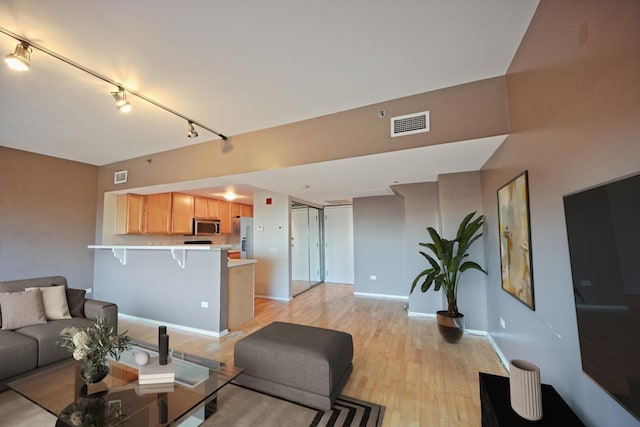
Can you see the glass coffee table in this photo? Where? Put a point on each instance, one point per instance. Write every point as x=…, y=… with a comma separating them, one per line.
x=119, y=400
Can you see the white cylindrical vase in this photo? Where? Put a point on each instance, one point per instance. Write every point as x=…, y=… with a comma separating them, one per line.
x=525, y=389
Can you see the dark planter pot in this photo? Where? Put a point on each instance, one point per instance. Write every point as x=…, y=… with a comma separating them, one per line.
x=98, y=373
x=451, y=328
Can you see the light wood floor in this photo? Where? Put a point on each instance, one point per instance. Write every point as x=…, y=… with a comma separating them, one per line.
x=399, y=362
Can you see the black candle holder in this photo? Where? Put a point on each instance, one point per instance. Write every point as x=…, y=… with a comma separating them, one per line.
x=163, y=349
x=162, y=330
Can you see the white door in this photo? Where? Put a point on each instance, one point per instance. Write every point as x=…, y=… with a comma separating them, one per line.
x=338, y=253
x=299, y=244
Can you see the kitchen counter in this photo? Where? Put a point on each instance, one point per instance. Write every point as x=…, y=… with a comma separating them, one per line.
x=153, y=246
x=146, y=283
x=240, y=292
x=238, y=262
x=178, y=252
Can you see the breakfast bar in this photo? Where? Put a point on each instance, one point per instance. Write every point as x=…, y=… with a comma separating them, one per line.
x=181, y=286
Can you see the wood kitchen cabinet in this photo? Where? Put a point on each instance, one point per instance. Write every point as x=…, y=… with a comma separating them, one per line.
x=130, y=214
x=236, y=209
x=205, y=208
x=240, y=209
x=157, y=213
x=200, y=208
x=168, y=213
x=213, y=209
x=182, y=210
x=246, y=210
x=225, y=217
x=173, y=213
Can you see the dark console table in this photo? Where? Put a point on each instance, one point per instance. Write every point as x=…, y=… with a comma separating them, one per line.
x=496, y=406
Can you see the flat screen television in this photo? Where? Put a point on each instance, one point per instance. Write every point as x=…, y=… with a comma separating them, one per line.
x=603, y=228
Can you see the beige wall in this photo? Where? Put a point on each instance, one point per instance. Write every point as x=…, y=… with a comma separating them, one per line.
x=469, y=111
x=574, y=107
x=458, y=113
x=47, y=217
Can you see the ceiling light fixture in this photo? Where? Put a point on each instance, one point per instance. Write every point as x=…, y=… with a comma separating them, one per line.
x=121, y=100
x=22, y=56
x=230, y=196
x=191, y=131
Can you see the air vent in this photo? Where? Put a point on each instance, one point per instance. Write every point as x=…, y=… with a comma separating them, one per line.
x=120, y=177
x=410, y=124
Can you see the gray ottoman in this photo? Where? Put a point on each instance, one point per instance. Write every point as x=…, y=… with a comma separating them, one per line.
x=299, y=363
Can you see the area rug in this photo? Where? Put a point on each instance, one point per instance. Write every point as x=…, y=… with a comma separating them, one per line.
x=237, y=406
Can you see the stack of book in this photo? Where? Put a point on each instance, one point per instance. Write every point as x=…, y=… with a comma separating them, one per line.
x=155, y=373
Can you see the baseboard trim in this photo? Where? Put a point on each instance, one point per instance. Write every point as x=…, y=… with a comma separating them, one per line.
x=273, y=298
x=418, y=314
x=433, y=316
x=175, y=326
x=501, y=356
x=380, y=296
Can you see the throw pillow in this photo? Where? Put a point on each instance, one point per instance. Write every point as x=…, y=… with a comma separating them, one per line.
x=20, y=309
x=54, y=299
x=75, y=299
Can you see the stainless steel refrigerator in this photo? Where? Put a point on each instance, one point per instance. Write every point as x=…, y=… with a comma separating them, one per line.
x=242, y=237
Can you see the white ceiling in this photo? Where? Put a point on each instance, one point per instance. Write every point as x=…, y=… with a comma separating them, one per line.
x=236, y=66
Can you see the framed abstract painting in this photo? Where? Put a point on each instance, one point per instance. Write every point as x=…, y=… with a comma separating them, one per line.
x=515, y=239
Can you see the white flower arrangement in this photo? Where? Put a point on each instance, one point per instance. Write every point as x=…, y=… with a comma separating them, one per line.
x=92, y=344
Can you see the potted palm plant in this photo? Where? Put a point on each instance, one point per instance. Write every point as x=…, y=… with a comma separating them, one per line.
x=446, y=264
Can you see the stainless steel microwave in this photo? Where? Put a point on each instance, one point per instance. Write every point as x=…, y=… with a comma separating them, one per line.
x=205, y=227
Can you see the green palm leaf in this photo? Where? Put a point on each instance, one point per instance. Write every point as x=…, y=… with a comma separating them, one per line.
x=446, y=263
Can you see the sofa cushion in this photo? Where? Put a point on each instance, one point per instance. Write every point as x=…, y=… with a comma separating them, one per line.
x=54, y=300
x=21, y=309
x=75, y=300
x=47, y=336
x=18, y=354
x=19, y=285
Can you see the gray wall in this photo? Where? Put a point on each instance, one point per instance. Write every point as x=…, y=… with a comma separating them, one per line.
x=420, y=211
x=459, y=195
x=388, y=231
x=47, y=217
x=152, y=286
x=574, y=106
x=379, y=247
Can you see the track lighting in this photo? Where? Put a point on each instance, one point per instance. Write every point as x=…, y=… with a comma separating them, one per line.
x=121, y=100
x=21, y=58
x=191, y=131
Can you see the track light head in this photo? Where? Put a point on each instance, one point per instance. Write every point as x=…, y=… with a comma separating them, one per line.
x=20, y=59
x=121, y=100
x=191, y=131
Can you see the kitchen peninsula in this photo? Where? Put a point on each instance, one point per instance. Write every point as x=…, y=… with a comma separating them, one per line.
x=181, y=286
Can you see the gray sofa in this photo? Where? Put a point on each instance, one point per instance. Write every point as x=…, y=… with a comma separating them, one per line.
x=26, y=349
